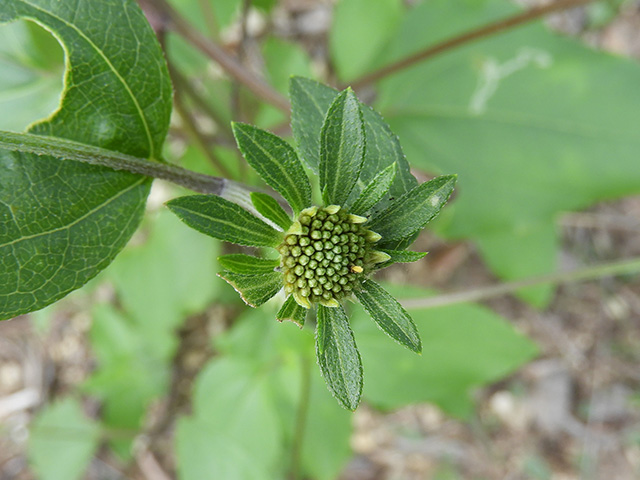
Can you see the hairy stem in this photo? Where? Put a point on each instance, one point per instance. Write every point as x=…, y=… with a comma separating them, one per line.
x=70, y=150
x=467, y=37
x=175, y=22
x=621, y=267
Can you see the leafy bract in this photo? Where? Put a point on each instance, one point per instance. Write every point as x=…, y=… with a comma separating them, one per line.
x=254, y=289
x=310, y=102
x=62, y=441
x=529, y=120
x=410, y=213
x=342, y=147
x=374, y=191
x=338, y=356
x=246, y=264
x=61, y=222
x=389, y=315
x=276, y=162
x=464, y=347
x=222, y=219
x=291, y=311
x=268, y=207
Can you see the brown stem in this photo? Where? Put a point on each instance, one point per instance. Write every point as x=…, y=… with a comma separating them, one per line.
x=467, y=37
x=176, y=23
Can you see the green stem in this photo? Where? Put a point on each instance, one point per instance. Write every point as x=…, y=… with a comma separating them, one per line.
x=70, y=150
x=301, y=419
x=467, y=37
x=621, y=267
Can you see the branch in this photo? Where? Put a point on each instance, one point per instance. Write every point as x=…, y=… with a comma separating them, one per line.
x=485, y=31
x=616, y=268
x=175, y=22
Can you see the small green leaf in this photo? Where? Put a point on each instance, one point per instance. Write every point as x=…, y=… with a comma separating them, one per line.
x=292, y=311
x=246, y=264
x=62, y=441
x=342, y=148
x=254, y=289
x=268, y=207
x=276, y=162
x=222, y=219
x=374, y=191
x=411, y=212
x=389, y=315
x=338, y=356
x=403, y=256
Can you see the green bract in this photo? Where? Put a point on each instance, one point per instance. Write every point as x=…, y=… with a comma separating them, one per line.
x=327, y=253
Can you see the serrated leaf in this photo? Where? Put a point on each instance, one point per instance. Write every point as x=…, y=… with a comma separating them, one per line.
x=62, y=221
x=310, y=101
x=342, y=148
x=291, y=311
x=374, y=191
x=247, y=264
x=62, y=441
x=254, y=289
x=411, y=212
x=338, y=356
x=222, y=219
x=389, y=315
x=268, y=207
x=276, y=162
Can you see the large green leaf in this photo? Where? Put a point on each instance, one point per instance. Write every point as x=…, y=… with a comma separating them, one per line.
x=61, y=222
x=342, y=148
x=32, y=66
x=463, y=347
x=310, y=101
x=62, y=441
x=533, y=123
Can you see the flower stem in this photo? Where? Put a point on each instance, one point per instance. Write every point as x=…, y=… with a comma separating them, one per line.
x=467, y=37
x=621, y=267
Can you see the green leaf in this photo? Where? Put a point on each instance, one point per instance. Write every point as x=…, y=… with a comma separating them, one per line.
x=360, y=30
x=523, y=158
x=310, y=101
x=411, y=212
x=292, y=311
x=464, y=347
x=62, y=441
x=342, y=148
x=32, y=66
x=276, y=162
x=389, y=315
x=234, y=431
x=246, y=264
x=374, y=191
x=338, y=356
x=222, y=219
x=254, y=289
x=268, y=207
x=403, y=256
x=53, y=212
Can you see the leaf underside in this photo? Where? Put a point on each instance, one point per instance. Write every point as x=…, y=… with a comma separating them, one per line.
x=293, y=312
x=254, y=289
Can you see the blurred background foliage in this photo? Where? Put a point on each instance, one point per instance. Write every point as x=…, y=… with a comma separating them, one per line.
x=165, y=374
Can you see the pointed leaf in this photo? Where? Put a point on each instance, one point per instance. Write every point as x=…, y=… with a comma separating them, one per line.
x=246, y=264
x=411, y=212
x=310, y=101
x=389, y=315
x=374, y=191
x=338, y=356
x=222, y=219
x=254, y=289
x=292, y=311
x=342, y=147
x=276, y=162
x=62, y=222
x=403, y=256
x=268, y=207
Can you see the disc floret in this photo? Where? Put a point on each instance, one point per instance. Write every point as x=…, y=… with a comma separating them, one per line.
x=325, y=254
